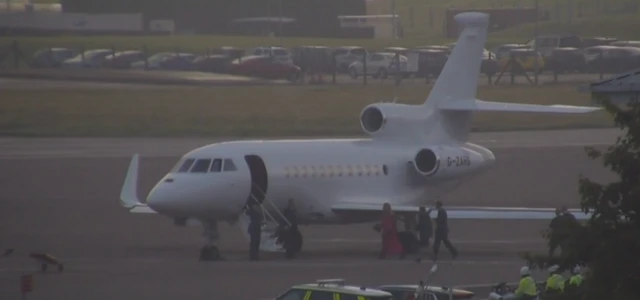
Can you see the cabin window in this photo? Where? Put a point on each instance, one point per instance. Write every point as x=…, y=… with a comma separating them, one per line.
x=186, y=165
x=201, y=166
x=229, y=165
x=216, y=165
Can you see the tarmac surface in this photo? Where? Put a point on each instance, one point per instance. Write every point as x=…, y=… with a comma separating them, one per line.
x=61, y=196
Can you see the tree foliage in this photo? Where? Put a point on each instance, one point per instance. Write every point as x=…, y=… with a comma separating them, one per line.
x=608, y=244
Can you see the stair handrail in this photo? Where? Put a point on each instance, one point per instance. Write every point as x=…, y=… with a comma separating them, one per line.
x=270, y=202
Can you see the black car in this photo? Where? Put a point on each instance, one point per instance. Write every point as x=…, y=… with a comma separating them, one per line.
x=407, y=292
x=212, y=63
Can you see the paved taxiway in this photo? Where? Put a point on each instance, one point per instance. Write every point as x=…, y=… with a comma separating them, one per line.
x=61, y=196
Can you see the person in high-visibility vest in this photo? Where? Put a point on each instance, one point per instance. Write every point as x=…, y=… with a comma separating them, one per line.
x=527, y=289
x=573, y=285
x=555, y=281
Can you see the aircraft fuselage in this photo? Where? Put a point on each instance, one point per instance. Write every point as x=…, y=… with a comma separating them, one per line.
x=315, y=173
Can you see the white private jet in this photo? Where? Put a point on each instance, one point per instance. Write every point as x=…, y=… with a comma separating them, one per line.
x=414, y=153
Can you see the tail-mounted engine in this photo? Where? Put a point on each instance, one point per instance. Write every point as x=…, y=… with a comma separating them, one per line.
x=390, y=119
x=446, y=162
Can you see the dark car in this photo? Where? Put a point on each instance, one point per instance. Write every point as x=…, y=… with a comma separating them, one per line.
x=407, y=292
x=122, y=59
x=51, y=57
x=212, y=63
x=611, y=59
x=430, y=61
x=566, y=59
x=265, y=67
x=313, y=58
x=231, y=52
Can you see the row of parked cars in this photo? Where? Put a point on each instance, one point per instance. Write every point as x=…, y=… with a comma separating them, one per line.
x=554, y=53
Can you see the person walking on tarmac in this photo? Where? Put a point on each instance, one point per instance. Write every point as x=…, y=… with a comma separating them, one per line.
x=442, y=233
x=555, y=233
x=555, y=282
x=292, y=241
x=527, y=289
x=389, y=233
x=424, y=227
x=254, y=230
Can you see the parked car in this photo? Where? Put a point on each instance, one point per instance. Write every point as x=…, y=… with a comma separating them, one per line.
x=614, y=60
x=88, y=59
x=547, y=43
x=526, y=58
x=503, y=50
x=635, y=44
x=407, y=292
x=122, y=59
x=313, y=58
x=430, y=61
x=346, y=55
x=380, y=65
x=566, y=59
x=212, y=63
x=230, y=51
x=279, y=53
x=434, y=47
x=51, y=57
x=597, y=41
x=167, y=61
x=265, y=67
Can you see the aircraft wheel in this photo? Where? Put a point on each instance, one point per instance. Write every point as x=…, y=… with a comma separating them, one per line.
x=43, y=267
x=209, y=253
x=60, y=267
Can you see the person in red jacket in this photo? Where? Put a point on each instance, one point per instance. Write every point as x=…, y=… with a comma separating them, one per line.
x=389, y=233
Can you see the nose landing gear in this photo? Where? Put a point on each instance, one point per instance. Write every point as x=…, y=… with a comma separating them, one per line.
x=210, y=252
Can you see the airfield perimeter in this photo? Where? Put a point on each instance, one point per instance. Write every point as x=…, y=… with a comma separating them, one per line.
x=61, y=196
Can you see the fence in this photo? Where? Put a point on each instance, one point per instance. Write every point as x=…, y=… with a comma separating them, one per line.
x=412, y=66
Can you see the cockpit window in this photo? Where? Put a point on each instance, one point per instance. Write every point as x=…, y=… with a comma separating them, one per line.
x=216, y=165
x=186, y=165
x=229, y=165
x=201, y=166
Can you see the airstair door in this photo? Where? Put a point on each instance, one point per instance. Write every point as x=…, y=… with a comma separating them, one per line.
x=259, y=177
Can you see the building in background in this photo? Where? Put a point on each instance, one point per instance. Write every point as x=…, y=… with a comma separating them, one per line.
x=311, y=18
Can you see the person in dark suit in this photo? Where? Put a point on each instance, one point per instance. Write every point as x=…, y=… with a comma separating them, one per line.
x=292, y=237
x=424, y=227
x=254, y=230
x=442, y=233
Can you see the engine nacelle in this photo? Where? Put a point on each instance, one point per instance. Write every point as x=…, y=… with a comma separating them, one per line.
x=444, y=162
x=390, y=119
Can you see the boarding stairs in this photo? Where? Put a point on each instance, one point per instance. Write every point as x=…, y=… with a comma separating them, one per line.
x=268, y=233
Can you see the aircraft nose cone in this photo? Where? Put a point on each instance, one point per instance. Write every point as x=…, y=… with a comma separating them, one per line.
x=160, y=201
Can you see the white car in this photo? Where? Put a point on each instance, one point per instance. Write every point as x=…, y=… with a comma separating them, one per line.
x=380, y=65
x=347, y=55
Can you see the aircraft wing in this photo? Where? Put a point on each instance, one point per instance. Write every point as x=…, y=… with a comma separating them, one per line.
x=465, y=212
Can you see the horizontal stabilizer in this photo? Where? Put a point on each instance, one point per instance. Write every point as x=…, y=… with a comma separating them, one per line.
x=479, y=105
x=468, y=213
x=129, y=192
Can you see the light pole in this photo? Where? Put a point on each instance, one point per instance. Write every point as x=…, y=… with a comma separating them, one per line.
x=280, y=23
x=393, y=19
x=535, y=44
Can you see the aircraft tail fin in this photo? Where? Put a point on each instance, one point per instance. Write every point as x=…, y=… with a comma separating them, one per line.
x=459, y=77
x=452, y=100
x=129, y=193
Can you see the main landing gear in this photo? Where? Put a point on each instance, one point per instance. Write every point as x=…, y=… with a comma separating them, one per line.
x=209, y=251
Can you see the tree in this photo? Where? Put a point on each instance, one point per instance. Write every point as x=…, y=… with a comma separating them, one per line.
x=608, y=244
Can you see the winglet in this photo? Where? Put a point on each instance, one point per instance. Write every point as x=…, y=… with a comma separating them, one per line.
x=129, y=192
